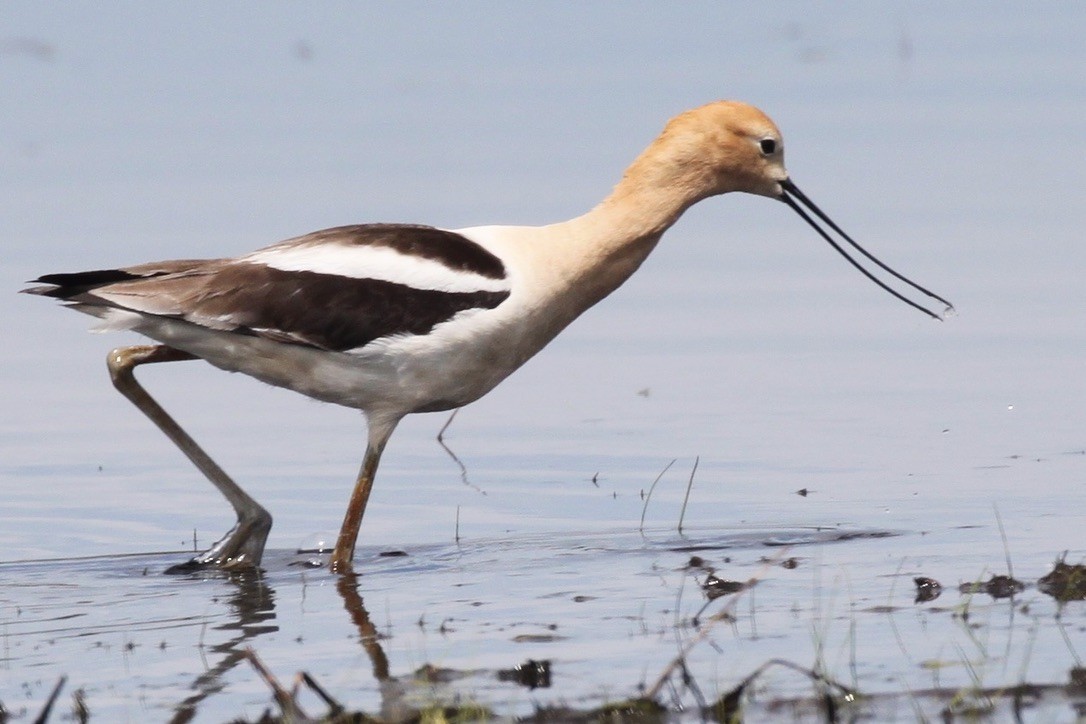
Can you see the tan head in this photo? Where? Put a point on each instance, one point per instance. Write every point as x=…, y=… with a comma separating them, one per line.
x=730, y=146
x=714, y=149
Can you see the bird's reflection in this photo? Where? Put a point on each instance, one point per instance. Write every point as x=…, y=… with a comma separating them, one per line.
x=394, y=706
x=251, y=614
x=347, y=586
x=252, y=602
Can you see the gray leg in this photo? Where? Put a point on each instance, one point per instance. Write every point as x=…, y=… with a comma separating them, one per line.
x=379, y=432
x=243, y=545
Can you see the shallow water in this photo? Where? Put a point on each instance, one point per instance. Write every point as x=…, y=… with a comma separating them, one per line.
x=944, y=139
x=607, y=611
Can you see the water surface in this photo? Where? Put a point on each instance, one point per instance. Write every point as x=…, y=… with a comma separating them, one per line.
x=945, y=139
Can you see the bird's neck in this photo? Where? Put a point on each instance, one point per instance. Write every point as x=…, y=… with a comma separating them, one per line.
x=661, y=183
x=611, y=241
x=574, y=264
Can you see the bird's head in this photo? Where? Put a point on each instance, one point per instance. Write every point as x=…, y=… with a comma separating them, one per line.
x=730, y=146
x=718, y=148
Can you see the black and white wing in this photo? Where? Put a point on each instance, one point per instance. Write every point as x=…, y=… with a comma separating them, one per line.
x=337, y=289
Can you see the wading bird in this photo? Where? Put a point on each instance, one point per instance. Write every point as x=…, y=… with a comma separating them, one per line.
x=392, y=319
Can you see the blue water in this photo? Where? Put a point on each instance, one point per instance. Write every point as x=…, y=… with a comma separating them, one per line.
x=948, y=140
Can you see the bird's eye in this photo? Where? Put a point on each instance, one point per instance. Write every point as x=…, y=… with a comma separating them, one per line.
x=769, y=146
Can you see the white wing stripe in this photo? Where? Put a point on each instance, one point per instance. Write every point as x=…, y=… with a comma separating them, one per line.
x=370, y=262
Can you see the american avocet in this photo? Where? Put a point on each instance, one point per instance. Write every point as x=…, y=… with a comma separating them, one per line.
x=393, y=319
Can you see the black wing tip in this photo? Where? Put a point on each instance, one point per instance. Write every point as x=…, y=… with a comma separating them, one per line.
x=95, y=278
x=66, y=285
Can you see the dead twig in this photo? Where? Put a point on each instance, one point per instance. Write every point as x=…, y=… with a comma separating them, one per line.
x=648, y=496
x=334, y=707
x=1003, y=536
x=456, y=459
x=44, y=716
x=286, y=700
x=686, y=498
x=729, y=702
x=80, y=712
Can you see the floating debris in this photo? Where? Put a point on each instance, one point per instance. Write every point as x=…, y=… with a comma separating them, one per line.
x=439, y=675
x=537, y=638
x=996, y=587
x=715, y=587
x=927, y=589
x=1065, y=582
x=698, y=563
x=532, y=674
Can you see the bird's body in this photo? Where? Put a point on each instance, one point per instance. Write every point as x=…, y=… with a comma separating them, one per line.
x=393, y=319
x=312, y=329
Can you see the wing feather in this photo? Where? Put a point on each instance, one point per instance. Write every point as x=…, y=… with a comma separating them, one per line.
x=318, y=308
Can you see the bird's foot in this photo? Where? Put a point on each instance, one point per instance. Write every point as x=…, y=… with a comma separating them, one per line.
x=240, y=549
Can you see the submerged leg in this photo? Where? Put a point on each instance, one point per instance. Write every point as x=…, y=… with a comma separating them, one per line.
x=379, y=432
x=243, y=545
